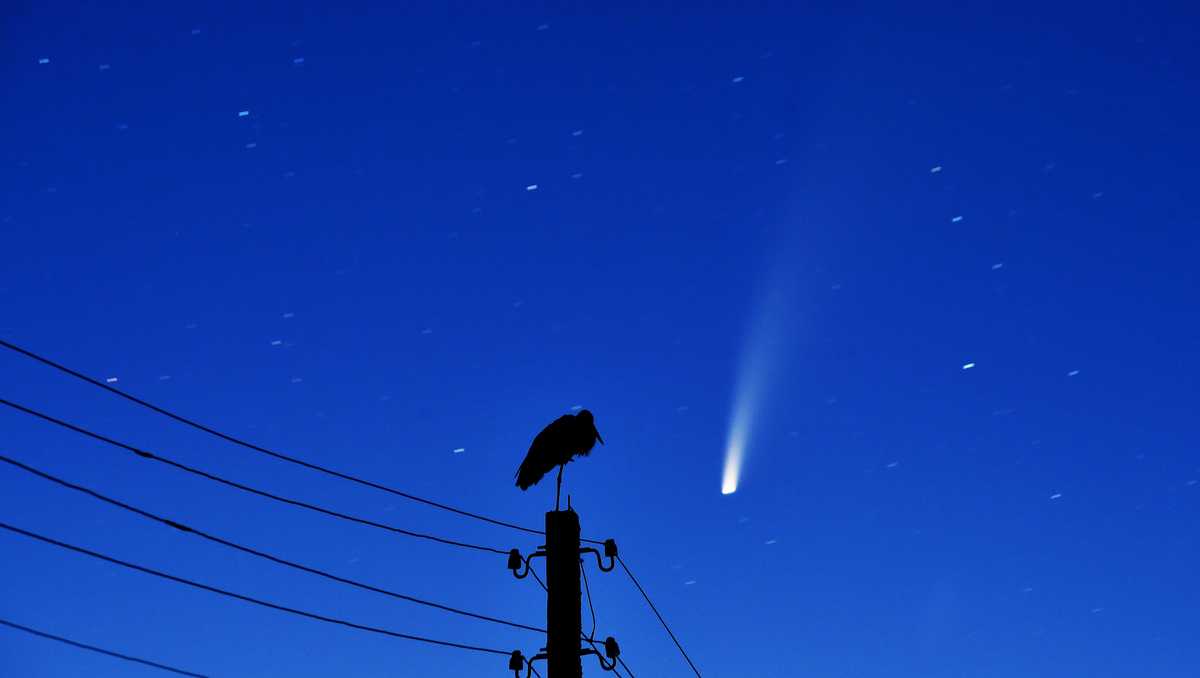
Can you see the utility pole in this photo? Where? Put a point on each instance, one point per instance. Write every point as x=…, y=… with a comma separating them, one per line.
x=564, y=615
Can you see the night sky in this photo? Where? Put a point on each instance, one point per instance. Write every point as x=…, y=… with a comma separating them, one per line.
x=941, y=257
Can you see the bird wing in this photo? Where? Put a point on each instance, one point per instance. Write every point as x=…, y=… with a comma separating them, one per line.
x=544, y=453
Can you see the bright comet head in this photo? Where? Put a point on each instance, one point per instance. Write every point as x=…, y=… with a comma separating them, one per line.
x=733, y=465
x=735, y=447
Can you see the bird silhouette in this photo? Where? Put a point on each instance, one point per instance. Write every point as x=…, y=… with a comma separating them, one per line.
x=567, y=437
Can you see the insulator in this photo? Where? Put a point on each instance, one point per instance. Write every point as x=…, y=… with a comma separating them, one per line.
x=611, y=649
x=610, y=548
x=516, y=662
x=514, y=560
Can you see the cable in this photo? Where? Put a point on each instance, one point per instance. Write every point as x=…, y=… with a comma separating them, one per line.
x=248, y=599
x=245, y=549
x=245, y=488
x=529, y=566
x=258, y=448
x=583, y=571
x=100, y=650
x=264, y=450
x=660, y=617
x=591, y=638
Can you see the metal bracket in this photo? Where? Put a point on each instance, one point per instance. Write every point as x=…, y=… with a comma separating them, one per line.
x=611, y=650
x=515, y=560
x=610, y=552
x=541, y=656
x=603, y=664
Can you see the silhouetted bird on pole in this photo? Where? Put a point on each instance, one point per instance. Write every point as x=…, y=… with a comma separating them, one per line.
x=568, y=436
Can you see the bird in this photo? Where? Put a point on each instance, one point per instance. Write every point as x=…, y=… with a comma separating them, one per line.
x=567, y=437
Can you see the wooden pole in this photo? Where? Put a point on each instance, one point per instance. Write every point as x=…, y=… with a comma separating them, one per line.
x=564, y=616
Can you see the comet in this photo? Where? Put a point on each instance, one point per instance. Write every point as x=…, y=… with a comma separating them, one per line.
x=747, y=392
x=735, y=448
x=763, y=352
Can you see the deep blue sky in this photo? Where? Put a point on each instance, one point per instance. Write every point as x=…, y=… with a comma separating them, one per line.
x=355, y=272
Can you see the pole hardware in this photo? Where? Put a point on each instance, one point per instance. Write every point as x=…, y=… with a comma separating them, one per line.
x=610, y=552
x=515, y=561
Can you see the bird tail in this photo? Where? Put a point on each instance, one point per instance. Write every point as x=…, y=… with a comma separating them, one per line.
x=524, y=479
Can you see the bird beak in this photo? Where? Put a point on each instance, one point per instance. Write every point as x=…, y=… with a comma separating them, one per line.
x=599, y=438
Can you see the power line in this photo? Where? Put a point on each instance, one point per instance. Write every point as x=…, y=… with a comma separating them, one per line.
x=591, y=638
x=660, y=617
x=100, y=650
x=264, y=450
x=249, y=599
x=300, y=462
x=246, y=549
x=529, y=566
x=245, y=488
x=258, y=448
